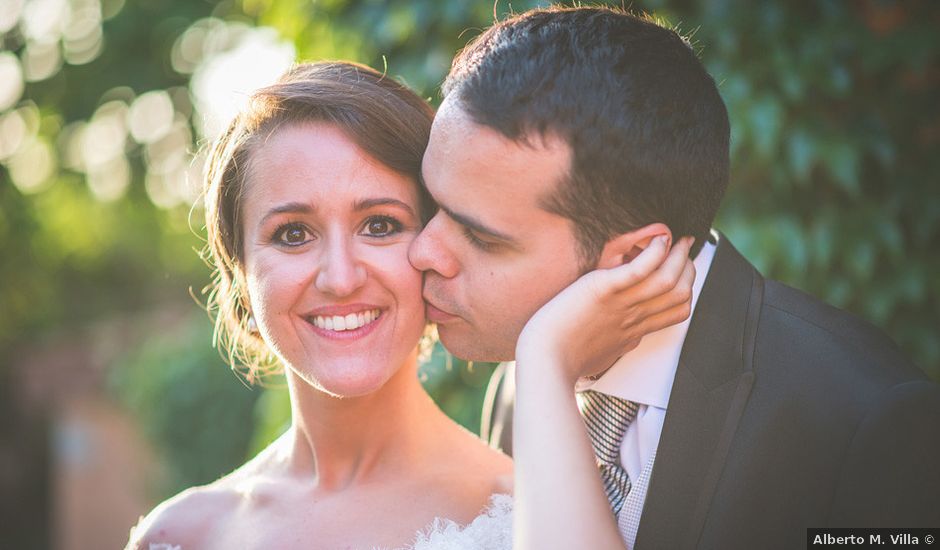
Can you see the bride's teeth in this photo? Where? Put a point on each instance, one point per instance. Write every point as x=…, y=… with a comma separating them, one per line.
x=348, y=322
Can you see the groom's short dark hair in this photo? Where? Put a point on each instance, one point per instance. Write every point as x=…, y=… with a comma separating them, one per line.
x=647, y=128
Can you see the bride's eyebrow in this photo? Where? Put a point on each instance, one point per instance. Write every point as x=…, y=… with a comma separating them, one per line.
x=365, y=204
x=288, y=208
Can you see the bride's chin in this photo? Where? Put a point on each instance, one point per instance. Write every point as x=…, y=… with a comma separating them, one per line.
x=348, y=383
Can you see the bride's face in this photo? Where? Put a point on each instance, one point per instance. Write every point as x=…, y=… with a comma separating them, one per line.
x=326, y=234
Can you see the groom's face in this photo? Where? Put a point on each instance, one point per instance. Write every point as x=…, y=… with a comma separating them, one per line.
x=492, y=255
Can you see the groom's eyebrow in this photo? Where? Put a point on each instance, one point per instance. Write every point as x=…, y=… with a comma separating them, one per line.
x=476, y=225
x=466, y=221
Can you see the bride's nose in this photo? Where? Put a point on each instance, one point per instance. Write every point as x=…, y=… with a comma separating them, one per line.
x=340, y=271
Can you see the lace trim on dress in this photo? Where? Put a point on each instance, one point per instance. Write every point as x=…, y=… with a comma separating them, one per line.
x=491, y=530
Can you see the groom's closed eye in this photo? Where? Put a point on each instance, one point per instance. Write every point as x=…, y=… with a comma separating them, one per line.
x=477, y=241
x=481, y=236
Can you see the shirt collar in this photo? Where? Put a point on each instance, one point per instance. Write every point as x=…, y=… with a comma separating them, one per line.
x=645, y=374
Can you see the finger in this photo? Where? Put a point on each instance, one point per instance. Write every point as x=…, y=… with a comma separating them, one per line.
x=681, y=293
x=639, y=267
x=660, y=280
x=634, y=271
x=673, y=266
x=667, y=318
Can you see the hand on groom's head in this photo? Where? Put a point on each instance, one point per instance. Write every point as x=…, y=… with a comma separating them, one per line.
x=606, y=312
x=624, y=248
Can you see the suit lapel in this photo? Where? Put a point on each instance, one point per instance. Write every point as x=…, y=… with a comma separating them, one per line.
x=711, y=388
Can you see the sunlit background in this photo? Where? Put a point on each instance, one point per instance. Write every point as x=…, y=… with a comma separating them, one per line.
x=111, y=396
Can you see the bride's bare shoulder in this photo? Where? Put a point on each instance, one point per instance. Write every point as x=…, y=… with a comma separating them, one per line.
x=501, y=471
x=192, y=518
x=481, y=466
x=503, y=484
x=185, y=520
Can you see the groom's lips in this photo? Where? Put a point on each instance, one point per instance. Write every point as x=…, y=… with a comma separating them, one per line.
x=436, y=315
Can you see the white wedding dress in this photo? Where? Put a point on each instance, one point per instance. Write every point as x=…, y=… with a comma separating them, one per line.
x=491, y=530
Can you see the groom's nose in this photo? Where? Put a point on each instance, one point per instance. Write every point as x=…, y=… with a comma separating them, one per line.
x=429, y=251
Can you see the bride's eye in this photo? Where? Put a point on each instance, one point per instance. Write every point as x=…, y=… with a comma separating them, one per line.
x=292, y=234
x=381, y=226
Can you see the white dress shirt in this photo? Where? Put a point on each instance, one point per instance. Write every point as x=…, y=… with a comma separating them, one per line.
x=645, y=376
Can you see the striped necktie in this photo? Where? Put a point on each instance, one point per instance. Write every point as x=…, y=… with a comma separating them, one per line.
x=607, y=418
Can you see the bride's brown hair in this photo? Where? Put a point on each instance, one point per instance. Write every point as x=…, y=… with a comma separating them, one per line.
x=383, y=117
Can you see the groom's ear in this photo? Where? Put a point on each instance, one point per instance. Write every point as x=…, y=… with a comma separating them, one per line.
x=624, y=247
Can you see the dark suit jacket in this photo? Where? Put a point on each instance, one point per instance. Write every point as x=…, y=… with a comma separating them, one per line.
x=785, y=413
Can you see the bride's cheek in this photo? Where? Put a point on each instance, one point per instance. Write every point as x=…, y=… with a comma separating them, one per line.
x=408, y=283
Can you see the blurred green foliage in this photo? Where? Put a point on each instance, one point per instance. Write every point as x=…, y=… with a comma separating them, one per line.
x=835, y=127
x=197, y=414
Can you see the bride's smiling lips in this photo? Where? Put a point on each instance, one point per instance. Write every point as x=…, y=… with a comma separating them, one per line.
x=345, y=322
